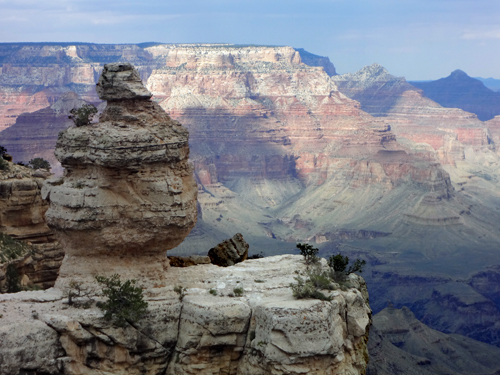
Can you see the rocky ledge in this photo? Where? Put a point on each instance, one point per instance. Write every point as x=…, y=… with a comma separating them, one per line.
x=265, y=331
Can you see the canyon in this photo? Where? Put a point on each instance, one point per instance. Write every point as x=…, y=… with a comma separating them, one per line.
x=127, y=196
x=285, y=150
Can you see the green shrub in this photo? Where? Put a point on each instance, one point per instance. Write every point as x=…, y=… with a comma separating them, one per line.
x=12, y=279
x=238, y=292
x=339, y=265
x=78, y=295
x=4, y=166
x=309, y=253
x=306, y=289
x=181, y=291
x=83, y=115
x=39, y=163
x=125, y=301
x=213, y=291
x=11, y=249
x=321, y=279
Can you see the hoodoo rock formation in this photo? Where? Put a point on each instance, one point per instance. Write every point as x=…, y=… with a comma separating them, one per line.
x=128, y=193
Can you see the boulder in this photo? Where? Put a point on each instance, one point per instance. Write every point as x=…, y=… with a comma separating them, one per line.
x=229, y=252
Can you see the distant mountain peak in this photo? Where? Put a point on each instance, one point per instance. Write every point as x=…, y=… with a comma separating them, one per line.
x=458, y=74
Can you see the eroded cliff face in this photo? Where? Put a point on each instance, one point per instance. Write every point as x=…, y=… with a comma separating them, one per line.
x=400, y=344
x=413, y=116
x=22, y=212
x=266, y=331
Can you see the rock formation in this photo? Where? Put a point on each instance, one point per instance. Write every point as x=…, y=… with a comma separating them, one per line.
x=126, y=197
x=22, y=212
x=128, y=194
x=229, y=252
x=266, y=331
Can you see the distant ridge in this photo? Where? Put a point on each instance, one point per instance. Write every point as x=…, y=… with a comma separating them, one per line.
x=458, y=90
x=491, y=83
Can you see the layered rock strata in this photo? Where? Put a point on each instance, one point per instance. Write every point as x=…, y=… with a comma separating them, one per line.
x=128, y=193
x=35, y=134
x=448, y=131
x=22, y=212
x=266, y=331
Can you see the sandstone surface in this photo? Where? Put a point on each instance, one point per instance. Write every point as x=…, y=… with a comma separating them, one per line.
x=127, y=195
x=266, y=331
x=22, y=212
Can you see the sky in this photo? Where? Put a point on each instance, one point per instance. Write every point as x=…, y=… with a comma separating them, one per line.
x=417, y=39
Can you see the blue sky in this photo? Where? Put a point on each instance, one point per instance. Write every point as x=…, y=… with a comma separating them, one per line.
x=424, y=39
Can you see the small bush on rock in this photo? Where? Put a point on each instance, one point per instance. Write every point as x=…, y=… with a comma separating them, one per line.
x=39, y=163
x=83, y=115
x=338, y=263
x=3, y=164
x=78, y=295
x=306, y=289
x=238, y=292
x=309, y=253
x=125, y=301
x=181, y=291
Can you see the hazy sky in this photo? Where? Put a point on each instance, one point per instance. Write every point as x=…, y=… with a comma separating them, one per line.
x=418, y=39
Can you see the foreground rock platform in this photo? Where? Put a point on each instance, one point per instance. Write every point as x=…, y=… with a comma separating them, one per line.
x=266, y=331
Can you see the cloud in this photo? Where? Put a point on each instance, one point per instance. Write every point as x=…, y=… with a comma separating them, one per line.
x=478, y=35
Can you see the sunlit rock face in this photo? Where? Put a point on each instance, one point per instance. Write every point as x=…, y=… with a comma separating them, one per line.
x=128, y=192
